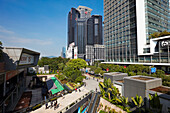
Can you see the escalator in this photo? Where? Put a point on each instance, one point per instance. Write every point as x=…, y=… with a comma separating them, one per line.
x=94, y=103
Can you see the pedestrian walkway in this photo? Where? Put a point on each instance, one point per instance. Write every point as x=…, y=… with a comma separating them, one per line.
x=69, y=98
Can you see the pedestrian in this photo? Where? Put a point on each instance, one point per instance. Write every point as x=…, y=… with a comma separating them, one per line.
x=51, y=103
x=46, y=105
x=96, y=89
x=97, y=80
x=62, y=95
x=79, y=90
x=76, y=89
x=55, y=105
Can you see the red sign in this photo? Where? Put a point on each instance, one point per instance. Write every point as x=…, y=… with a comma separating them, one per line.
x=107, y=69
x=124, y=66
x=11, y=74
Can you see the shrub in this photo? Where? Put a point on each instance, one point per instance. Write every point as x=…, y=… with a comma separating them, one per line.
x=131, y=74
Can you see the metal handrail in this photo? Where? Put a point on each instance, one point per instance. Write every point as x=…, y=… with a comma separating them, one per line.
x=66, y=108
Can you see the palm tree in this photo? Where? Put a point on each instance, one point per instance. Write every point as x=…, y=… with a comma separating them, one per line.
x=107, y=89
x=138, y=101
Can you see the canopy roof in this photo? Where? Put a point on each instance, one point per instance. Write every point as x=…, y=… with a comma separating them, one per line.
x=54, y=85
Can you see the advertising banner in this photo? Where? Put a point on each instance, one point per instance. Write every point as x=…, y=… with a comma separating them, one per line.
x=11, y=74
x=26, y=59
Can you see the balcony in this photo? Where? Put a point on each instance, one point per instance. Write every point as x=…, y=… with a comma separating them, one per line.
x=2, y=67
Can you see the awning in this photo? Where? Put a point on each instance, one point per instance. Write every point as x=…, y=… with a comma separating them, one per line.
x=50, y=85
x=54, y=85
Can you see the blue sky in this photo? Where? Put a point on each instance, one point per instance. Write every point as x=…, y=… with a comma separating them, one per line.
x=39, y=25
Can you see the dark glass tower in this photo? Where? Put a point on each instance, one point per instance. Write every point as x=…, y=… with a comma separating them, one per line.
x=84, y=29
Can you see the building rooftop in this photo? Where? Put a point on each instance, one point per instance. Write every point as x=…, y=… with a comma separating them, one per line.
x=142, y=78
x=115, y=73
x=84, y=7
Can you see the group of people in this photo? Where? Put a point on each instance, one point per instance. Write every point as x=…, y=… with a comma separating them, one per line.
x=55, y=104
x=78, y=90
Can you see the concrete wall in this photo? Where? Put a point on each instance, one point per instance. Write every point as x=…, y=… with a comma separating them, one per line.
x=115, y=76
x=120, y=88
x=133, y=87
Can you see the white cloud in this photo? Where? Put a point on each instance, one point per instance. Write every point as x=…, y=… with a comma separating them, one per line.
x=19, y=40
x=3, y=30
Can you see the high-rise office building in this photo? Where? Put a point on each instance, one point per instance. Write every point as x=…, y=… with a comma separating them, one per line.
x=127, y=26
x=63, y=52
x=84, y=29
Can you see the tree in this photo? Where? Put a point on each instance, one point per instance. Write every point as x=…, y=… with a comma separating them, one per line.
x=61, y=66
x=92, y=68
x=107, y=89
x=0, y=43
x=159, y=34
x=76, y=64
x=98, y=70
x=164, y=33
x=154, y=35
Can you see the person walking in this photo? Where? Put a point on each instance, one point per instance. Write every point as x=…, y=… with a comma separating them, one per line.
x=55, y=105
x=62, y=95
x=51, y=103
x=96, y=89
x=46, y=105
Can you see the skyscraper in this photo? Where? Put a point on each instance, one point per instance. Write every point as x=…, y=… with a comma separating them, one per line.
x=127, y=26
x=84, y=29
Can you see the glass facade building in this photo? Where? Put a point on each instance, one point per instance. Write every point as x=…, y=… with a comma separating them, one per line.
x=127, y=26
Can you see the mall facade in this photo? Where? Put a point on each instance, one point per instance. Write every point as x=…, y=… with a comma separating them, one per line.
x=127, y=26
x=14, y=63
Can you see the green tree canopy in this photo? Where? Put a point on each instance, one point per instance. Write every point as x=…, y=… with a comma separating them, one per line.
x=159, y=34
x=76, y=64
x=0, y=43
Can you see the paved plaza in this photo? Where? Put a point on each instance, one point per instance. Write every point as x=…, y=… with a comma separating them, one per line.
x=69, y=98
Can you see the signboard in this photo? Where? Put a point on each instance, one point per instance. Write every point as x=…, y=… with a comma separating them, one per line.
x=107, y=69
x=153, y=70
x=165, y=43
x=11, y=74
x=26, y=59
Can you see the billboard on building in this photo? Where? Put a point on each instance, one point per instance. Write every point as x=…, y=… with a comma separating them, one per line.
x=26, y=59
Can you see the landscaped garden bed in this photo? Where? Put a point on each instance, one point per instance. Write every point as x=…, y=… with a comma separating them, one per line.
x=72, y=86
x=142, y=78
x=161, y=89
